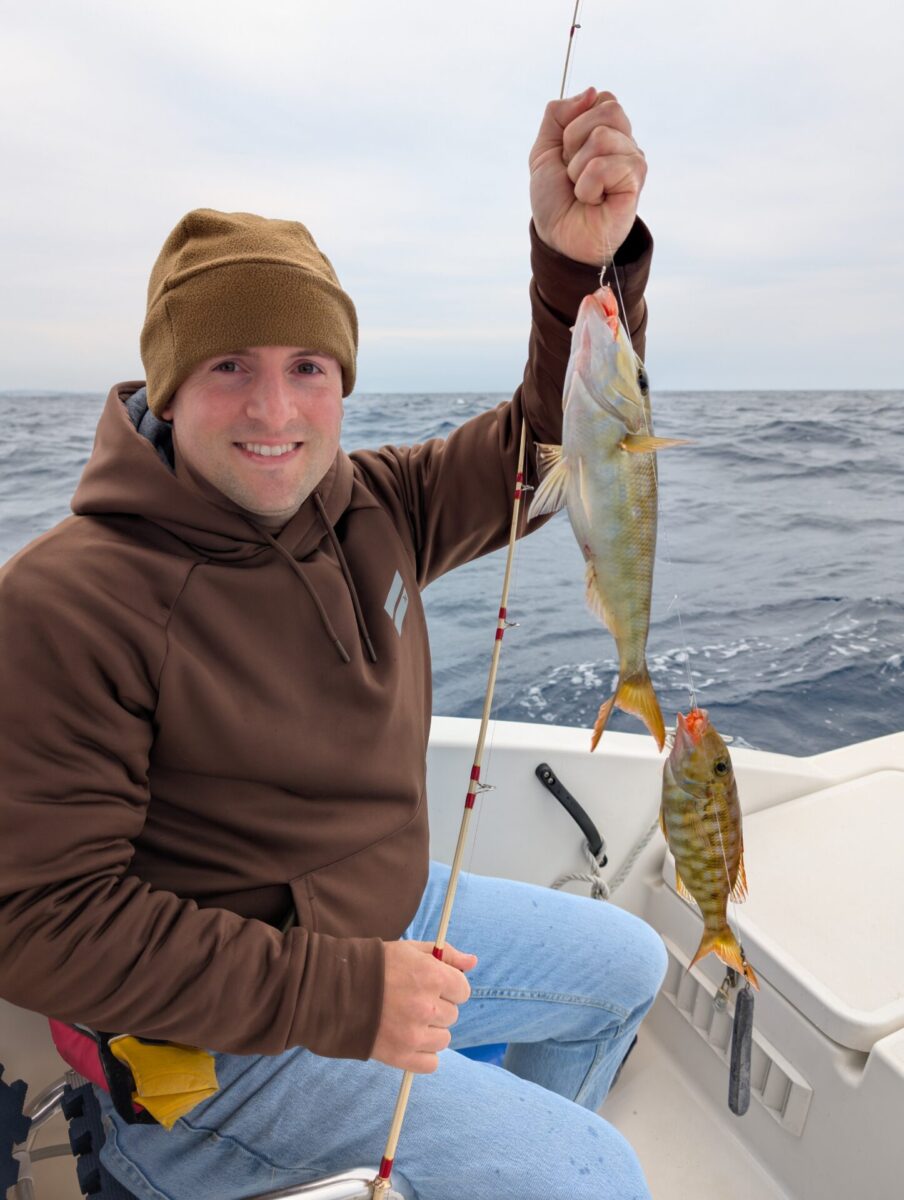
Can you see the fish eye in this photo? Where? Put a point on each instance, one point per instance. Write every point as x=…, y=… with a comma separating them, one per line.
x=643, y=381
x=721, y=767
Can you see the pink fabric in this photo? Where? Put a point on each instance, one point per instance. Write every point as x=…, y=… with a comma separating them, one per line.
x=78, y=1051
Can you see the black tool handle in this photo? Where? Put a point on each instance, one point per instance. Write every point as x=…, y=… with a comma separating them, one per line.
x=741, y=1047
x=547, y=777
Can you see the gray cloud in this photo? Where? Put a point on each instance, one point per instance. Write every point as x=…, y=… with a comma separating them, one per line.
x=400, y=135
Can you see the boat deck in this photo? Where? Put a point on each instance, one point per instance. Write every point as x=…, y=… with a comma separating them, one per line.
x=683, y=1144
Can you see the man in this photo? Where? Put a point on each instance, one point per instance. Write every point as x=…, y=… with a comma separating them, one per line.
x=211, y=721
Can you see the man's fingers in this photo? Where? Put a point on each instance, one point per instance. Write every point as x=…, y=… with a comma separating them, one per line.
x=602, y=142
x=445, y=1014
x=420, y=1064
x=618, y=174
x=454, y=987
x=556, y=116
x=458, y=958
x=605, y=112
x=433, y=1040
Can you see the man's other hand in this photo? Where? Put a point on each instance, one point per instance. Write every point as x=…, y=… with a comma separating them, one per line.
x=421, y=995
x=586, y=173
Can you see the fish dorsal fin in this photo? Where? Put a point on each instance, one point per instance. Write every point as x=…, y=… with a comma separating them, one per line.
x=643, y=443
x=739, y=891
x=550, y=496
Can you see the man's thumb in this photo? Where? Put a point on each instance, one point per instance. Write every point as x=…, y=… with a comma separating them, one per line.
x=559, y=114
x=572, y=106
x=458, y=958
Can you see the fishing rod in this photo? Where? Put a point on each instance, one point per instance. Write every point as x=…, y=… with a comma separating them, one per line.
x=381, y=1184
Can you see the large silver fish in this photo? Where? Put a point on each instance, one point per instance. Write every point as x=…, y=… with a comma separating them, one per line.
x=605, y=474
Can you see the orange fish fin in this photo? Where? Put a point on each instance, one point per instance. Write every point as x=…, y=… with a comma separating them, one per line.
x=635, y=696
x=739, y=891
x=643, y=443
x=681, y=887
x=665, y=832
x=602, y=718
x=724, y=944
x=550, y=495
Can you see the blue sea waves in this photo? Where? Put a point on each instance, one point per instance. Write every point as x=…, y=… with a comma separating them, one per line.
x=779, y=587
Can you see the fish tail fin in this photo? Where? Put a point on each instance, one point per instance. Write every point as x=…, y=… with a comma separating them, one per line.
x=725, y=946
x=634, y=695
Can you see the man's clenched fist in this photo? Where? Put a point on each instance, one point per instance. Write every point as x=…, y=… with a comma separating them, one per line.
x=421, y=995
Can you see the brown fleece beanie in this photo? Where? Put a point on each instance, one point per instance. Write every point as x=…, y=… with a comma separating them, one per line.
x=227, y=281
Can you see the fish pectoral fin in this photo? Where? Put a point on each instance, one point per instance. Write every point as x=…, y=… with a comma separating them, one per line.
x=550, y=496
x=739, y=890
x=643, y=443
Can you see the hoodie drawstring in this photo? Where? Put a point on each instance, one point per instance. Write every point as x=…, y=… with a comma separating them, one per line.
x=349, y=582
x=318, y=603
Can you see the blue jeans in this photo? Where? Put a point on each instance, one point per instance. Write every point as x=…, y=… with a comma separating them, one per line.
x=564, y=980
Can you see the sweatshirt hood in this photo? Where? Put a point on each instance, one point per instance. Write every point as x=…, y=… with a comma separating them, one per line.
x=131, y=472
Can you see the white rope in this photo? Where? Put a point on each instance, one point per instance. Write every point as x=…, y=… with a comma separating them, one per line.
x=599, y=888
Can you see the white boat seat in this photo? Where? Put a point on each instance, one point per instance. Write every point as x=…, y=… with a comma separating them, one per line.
x=824, y=920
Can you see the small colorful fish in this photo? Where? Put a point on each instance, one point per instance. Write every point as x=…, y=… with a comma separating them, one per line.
x=700, y=818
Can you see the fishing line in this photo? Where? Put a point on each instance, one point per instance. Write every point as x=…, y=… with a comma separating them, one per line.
x=676, y=604
x=735, y=929
x=523, y=517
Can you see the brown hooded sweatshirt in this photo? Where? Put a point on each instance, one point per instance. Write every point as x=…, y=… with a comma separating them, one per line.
x=195, y=738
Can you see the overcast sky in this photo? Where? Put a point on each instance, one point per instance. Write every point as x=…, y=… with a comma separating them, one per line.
x=399, y=133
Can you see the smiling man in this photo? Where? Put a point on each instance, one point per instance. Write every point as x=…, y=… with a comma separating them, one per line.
x=214, y=715
x=262, y=425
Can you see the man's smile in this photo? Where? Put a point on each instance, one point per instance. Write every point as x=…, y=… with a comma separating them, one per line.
x=265, y=452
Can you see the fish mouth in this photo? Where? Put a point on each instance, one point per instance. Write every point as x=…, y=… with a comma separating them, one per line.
x=603, y=303
x=690, y=730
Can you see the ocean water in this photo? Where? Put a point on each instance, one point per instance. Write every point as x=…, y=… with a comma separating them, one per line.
x=779, y=588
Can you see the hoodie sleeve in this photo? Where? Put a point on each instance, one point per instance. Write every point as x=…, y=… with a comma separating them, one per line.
x=82, y=939
x=456, y=493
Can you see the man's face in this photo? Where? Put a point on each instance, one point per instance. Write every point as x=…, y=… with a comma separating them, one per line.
x=261, y=424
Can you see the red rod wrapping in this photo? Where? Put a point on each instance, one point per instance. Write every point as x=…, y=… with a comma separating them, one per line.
x=385, y=1168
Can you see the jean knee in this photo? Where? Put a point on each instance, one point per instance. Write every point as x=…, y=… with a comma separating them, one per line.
x=632, y=1183
x=649, y=962
x=610, y=1171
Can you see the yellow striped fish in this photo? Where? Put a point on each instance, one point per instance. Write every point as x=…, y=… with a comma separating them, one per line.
x=701, y=820
x=605, y=474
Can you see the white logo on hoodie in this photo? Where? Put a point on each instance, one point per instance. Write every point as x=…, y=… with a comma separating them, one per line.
x=397, y=602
